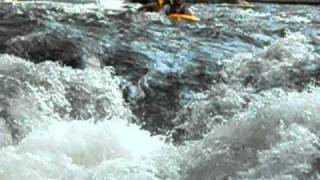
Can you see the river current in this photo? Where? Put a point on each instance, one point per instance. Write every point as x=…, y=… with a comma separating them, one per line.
x=97, y=91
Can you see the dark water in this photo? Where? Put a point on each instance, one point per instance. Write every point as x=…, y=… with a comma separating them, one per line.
x=84, y=87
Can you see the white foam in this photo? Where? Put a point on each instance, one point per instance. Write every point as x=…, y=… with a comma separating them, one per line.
x=79, y=149
x=5, y=135
x=111, y=4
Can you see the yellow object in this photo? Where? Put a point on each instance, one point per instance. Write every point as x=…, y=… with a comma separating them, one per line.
x=187, y=17
x=161, y=4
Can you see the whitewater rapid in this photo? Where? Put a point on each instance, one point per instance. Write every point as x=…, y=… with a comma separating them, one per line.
x=245, y=100
x=70, y=124
x=275, y=136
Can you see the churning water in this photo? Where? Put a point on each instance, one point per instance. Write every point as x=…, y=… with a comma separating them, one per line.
x=90, y=93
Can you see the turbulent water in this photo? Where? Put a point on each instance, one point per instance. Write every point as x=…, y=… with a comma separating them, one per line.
x=96, y=91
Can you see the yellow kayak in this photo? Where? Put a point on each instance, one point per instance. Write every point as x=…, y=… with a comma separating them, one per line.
x=187, y=17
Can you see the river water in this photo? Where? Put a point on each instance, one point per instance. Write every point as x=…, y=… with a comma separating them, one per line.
x=96, y=91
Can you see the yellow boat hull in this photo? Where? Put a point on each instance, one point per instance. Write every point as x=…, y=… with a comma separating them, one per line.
x=179, y=17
